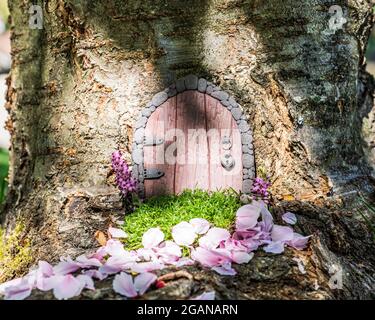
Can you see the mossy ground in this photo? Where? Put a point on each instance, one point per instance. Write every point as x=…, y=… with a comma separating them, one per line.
x=15, y=254
x=219, y=208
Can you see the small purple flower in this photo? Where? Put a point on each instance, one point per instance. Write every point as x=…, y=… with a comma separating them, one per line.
x=260, y=188
x=124, y=180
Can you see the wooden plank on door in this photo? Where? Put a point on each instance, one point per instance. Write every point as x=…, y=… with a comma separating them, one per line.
x=161, y=124
x=220, y=123
x=192, y=169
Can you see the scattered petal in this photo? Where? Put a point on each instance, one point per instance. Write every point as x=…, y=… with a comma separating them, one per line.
x=115, y=248
x=281, y=233
x=117, y=233
x=183, y=233
x=275, y=247
x=183, y=262
x=123, y=284
x=169, y=252
x=213, y=238
x=298, y=242
x=201, y=226
x=86, y=281
x=95, y=274
x=143, y=281
x=66, y=286
x=209, y=258
x=210, y=295
x=152, y=238
x=66, y=266
x=86, y=262
x=289, y=218
x=241, y=257
x=247, y=217
x=45, y=269
x=225, y=270
x=17, y=290
x=142, y=267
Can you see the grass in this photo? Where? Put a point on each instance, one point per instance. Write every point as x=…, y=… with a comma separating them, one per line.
x=4, y=167
x=219, y=208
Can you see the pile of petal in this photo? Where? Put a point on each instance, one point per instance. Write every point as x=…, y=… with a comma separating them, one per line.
x=212, y=247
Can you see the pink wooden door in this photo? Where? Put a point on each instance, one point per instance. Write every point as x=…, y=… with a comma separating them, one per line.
x=195, y=153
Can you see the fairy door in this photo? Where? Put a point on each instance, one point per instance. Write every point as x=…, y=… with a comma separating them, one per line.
x=191, y=141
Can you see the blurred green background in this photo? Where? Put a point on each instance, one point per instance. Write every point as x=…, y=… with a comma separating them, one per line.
x=3, y=173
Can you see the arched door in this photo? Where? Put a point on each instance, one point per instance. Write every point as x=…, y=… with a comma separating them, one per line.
x=191, y=141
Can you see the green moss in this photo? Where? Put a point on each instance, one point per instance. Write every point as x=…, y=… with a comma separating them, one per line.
x=15, y=253
x=219, y=208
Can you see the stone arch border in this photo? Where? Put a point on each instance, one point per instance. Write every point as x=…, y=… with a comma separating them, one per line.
x=192, y=82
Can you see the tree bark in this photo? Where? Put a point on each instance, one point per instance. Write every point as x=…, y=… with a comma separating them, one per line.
x=78, y=85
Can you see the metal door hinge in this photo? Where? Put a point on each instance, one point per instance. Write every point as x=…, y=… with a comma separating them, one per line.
x=150, y=174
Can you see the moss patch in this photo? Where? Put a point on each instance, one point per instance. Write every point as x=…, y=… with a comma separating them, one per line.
x=219, y=208
x=15, y=254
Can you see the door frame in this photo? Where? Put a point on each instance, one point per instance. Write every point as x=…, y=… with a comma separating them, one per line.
x=193, y=82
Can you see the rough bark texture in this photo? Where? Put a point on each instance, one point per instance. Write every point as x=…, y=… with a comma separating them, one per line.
x=77, y=86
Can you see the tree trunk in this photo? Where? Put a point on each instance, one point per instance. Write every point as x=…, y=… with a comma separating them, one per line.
x=77, y=87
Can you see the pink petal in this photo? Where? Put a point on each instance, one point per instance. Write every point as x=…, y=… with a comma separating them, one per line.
x=117, y=233
x=247, y=217
x=115, y=248
x=213, y=238
x=275, y=247
x=116, y=264
x=208, y=258
x=66, y=266
x=250, y=244
x=169, y=252
x=289, y=218
x=225, y=270
x=143, y=281
x=267, y=219
x=109, y=269
x=86, y=262
x=241, y=257
x=146, y=254
x=86, y=281
x=17, y=290
x=95, y=274
x=66, y=287
x=205, y=296
x=146, y=266
x=200, y=226
x=298, y=242
x=232, y=244
x=281, y=233
x=45, y=269
x=99, y=254
x=152, y=238
x=10, y=283
x=183, y=262
x=183, y=233
x=123, y=284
